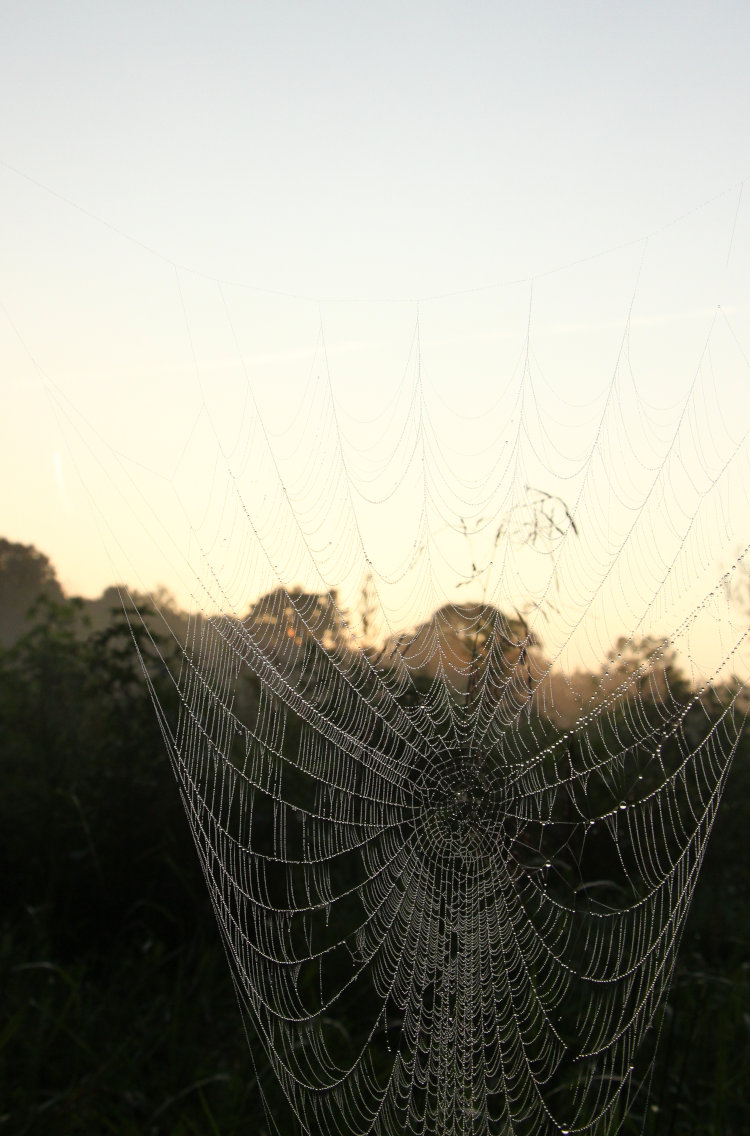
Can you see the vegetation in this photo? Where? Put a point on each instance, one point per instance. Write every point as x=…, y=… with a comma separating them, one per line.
x=120, y=1015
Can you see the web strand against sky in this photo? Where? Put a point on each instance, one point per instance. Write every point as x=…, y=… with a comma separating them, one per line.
x=451, y=865
x=455, y=700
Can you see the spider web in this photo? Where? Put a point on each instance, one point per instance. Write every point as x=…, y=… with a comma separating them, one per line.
x=402, y=830
x=450, y=833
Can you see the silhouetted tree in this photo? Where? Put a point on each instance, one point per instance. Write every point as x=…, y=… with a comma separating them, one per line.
x=25, y=575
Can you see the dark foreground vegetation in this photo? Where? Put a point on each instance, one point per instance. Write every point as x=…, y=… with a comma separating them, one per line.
x=119, y=1013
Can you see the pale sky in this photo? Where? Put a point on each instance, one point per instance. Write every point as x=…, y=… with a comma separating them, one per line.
x=193, y=194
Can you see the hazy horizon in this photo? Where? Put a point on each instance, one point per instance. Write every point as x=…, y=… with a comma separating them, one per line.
x=296, y=296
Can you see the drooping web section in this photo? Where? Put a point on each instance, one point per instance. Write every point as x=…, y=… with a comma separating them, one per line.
x=455, y=719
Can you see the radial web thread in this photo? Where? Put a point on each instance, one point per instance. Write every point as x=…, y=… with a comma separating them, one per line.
x=451, y=864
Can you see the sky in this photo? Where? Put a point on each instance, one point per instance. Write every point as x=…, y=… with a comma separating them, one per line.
x=217, y=215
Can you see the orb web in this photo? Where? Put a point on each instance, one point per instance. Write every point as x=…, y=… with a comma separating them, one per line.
x=448, y=906
x=448, y=779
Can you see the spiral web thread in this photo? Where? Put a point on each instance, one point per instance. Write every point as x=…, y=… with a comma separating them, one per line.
x=450, y=870
x=451, y=877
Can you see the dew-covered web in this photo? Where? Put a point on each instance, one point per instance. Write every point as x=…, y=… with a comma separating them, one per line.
x=454, y=716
